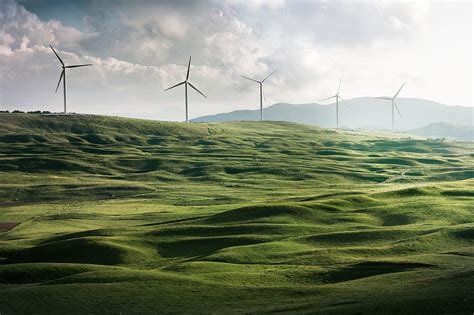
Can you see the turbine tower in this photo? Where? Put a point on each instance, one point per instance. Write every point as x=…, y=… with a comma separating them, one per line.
x=186, y=82
x=63, y=75
x=261, y=90
x=337, y=97
x=394, y=105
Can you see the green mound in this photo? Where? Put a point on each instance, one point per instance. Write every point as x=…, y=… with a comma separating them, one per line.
x=458, y=193
x=369, y=269
x=466, y=234
x=98, y=139
x=80, y=250
x=220, y=230
x=394, y=161
x=203, y=246
x=366, y=237
x=39, y=273
x=40, y=164
x=270, y=213
x=122, y=215
x=389, y=219
x=22, y=138
x=410, y=192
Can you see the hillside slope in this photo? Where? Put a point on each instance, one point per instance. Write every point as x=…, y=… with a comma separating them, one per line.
x=113, y=215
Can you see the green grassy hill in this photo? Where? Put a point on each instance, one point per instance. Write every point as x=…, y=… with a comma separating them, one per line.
x=110, y=215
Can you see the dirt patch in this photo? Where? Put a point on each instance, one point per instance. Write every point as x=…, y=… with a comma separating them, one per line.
x=6, y=226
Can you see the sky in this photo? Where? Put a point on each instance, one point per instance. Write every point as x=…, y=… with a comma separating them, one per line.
x=139, y=48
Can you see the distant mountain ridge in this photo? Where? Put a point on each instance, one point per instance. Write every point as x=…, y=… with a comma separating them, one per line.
x=362, y=112
x=445, y=130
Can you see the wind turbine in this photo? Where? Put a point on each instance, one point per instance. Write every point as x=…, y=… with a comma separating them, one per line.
x=394, y=105
x=337, y=97
x=186, y=82
x=261, y=90
x=63, y=75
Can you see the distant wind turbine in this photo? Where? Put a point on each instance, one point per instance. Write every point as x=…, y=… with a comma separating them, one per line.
x=186, y=82
x=63, y=75
x=337, y=97
x=261, y=90
x=394, y=105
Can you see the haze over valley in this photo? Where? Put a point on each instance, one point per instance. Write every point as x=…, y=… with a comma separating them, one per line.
x=364, y=113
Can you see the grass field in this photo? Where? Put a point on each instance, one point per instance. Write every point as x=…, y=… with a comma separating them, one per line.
x=115, y=215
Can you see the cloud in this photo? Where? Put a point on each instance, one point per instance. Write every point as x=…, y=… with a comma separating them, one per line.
x=259, y=4
x=29, y=68
x=140, y=48
x=20, y=29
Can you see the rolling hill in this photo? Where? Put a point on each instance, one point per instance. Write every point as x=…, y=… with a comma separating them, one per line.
x=114, y=215
x=444, y=130
x=363, y=112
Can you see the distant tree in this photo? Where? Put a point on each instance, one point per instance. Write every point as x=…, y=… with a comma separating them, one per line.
x=16, y=111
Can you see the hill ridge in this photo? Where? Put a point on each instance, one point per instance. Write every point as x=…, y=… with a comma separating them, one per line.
x=360, y=112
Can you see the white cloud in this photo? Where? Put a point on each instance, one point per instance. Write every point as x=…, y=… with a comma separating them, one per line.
x=260, y=4
x=18, y=25
x=140, y=49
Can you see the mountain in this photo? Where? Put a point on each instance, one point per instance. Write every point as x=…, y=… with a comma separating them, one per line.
x=445, y=130
x=362, y=112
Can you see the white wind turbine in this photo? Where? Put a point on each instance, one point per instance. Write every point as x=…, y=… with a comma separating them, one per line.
x=337, y=97
x=394, y=105
x=63, y=75
x=261, y=90
x=186, y=82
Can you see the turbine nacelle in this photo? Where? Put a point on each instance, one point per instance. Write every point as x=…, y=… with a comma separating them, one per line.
x=393, y=99
x=260, y=83
x=337, y=97
x=186, y=83
x=257, y=81
x=62, y=76
x=394, y=104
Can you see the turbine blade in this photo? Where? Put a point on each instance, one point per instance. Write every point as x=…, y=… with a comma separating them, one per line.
x=339, y=88
x=341, y=98
x=181, y=83
x=328, y=98
x=399, y=90
x=196, y=89
x=59, y=82
x=77, y=66
x=189, y=65
x=60, y=60
x=250, y=79
x=269, y=75
x=397, y=109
